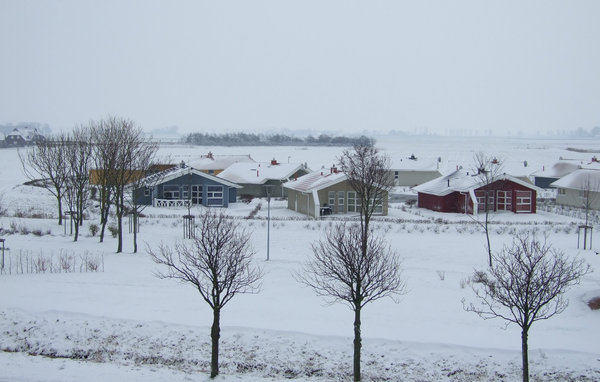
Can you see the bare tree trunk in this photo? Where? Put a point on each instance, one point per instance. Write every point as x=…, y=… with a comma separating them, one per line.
x=524, y=354
x=120, y=233
x=104, y=221
x=487, y=236
x=60, y=213
x=215, y=334
x=135, y=226
x=357, y=343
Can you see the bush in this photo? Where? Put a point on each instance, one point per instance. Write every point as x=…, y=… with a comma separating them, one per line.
x=594, y=303
x=94, y=229
x=114, y=231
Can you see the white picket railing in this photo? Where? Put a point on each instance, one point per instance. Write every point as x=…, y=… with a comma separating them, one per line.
x=171, y=202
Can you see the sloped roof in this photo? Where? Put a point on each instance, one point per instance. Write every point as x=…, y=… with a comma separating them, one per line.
x=315, y=181
x=176, y=172
x=418, y=164
x=218, y=162
x=259, y=173
x=463, y=181
x=582, y=179
x=565, y=167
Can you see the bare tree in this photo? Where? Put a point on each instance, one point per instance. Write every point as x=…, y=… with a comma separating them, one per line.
x=46, y=162
x=526, y=284
x=488, y=170
x=342, y=272
x=588, y=200
x=367, y=171
x=139, y=167
x=217, y=262
x=105, y=136
x=79, y=157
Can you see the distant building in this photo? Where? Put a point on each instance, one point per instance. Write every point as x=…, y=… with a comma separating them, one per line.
x=253, y=177
x=461, y=192
x=544, y=177
x=579, y=188
x=327, y=192
x=412, y=171
x=23, y=136
x=182, y=185
x=215, y=164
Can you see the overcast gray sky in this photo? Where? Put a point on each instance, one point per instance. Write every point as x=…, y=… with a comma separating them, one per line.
x=323, y=65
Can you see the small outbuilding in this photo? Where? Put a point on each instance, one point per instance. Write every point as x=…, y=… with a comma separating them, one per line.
x=464, y=192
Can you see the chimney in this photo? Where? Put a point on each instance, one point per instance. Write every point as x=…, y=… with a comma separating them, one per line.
x=257, y=172
x=210, y=155
x=182, y=164
x=274, y=162
x=448, y=182
x=333, y=170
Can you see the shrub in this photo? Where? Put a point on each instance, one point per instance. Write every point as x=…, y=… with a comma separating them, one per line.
x=94, y=229
x=441, y=275
x=594, y=303
x=114, y=231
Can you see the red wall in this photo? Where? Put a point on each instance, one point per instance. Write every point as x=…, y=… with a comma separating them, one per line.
x=455, y=202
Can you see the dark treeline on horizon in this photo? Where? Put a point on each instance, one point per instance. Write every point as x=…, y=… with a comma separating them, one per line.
x=251, y=139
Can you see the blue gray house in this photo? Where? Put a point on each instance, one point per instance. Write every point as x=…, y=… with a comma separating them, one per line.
x=178, y=186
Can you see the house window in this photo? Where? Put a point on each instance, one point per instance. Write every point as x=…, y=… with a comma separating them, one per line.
x=378, y=206
x=214, y=195
x=340, y=203
x=147, y=191
x=197, y=194
x=523, y=201
x=332, y=200
x=396, y=174
x=562, y=191
x=481, y=200
x=171, y=192
x=211, y=172
x=353, y=202
x=185, y=192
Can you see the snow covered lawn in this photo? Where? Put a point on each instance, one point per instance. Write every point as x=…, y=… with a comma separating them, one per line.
x=124, y=324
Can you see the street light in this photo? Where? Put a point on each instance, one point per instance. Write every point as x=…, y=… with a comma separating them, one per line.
x=268, y=188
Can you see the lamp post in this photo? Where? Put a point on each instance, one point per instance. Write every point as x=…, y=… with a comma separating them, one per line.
x=268, y=188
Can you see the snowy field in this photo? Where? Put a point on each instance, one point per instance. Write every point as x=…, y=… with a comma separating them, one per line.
x=124, y=324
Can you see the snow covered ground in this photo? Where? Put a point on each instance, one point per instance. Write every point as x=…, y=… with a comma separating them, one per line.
x=124, y=324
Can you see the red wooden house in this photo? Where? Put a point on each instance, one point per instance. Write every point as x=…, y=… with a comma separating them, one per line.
x=461, y=192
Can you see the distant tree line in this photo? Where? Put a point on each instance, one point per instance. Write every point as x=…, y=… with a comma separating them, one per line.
x=251, y=139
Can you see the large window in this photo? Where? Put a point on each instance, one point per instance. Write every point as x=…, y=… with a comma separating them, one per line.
x=214, y=195
x=197, y=194
x=524, y=203
x=171, y=191
x=480, y=194
x=332, y=200
x=352, y=201
x=378, y=206
x=341, y=201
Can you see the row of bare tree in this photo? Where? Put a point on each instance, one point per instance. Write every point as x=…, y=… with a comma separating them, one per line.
x=353, y=265
x=118, y=152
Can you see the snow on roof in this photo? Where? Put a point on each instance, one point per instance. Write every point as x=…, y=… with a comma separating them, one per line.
x=462, y=181
x=259, y=173
x=176, y=172
x=218, y=162
x=582, y=179
x=566, y=166
x=315, y=181
x=417, y=164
